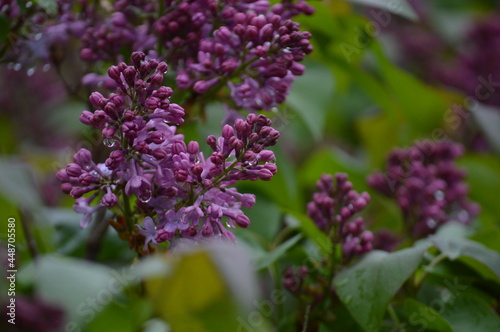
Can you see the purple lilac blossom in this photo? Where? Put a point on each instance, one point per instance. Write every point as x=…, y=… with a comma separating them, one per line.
x=332, y=210
x=249, y=46
x=184, y=193
x=427, y=185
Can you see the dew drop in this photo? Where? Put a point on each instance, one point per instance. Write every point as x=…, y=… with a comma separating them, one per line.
x=229, y=225
x=38, y=36
x=31, y=71
x=29, y=4
x=146, y=197
x=109, y=142
x=17, y=67
x=46, y=67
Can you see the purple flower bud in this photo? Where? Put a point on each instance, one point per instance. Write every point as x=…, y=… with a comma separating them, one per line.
x=193, y=147
x=83, y=157
x=73, y=170
x=97, y=100
x=159, y=153
x=62, y=175
x=227, y=132
x=266, y=155
x=265, y=174
x=114, y=73
x=109, y=199
x=217, y=158
x=212, y=142
x=178, y=147
x=242, y=221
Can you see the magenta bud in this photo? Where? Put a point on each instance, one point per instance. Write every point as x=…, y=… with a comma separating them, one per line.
x=212, y=142
x=201, y=87
x=266, y=155
x=109, y=199
x=242, y=221
x=73, y=170
x=217, y=158
x=97, y=100
x=193, y=147
x=83, y=157
x=66, y=188
x=62, y=175
x=181, y=175
x=159, y=153
x=227, y=132
x=114, y=73
x=265, y=174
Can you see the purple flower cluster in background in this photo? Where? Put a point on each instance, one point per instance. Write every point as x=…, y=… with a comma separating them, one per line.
x=249, y=46
x=427, y=185
x=479, y=60
x=332, y=209
x=182, y=192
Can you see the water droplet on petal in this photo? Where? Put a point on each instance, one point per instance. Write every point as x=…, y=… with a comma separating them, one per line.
x=46, y=67
x=146, y=197
x=38, y=36
x=31, y=71
x=17, y=67
x=109, y=142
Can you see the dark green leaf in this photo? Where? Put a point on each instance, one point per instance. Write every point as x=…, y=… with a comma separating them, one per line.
x=367, y=287
x=466, y=313
x=484, y=260
x=423, y=318
x=401, y=7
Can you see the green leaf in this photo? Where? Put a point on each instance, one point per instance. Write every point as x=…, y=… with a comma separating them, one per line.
x=466, y=313
x=17, y=184
x=309, y=99
x=123, y=317
x=483, y=177
x=50, y=6
x=401, y=7
x=483, y=260
x=4, y=28
x=424, y=318
x=307, y=226
x=425, y=113
x=271, y=257
x=332, y=161
x=488, y=119
x=82, y=288
x=200, y=286
x=367, y=287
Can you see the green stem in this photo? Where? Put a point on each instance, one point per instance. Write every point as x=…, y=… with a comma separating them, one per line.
x=439, y=258
x=127, y=211
x=394, y=316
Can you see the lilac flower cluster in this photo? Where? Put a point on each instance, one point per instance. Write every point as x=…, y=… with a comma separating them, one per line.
x=182, y=193
x=333, y=208
x=427, y=185
x=249, y=46
x=255, y=51
x=479, y=59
